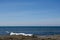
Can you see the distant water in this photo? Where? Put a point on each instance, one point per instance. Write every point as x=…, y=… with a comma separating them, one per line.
x=36, y=30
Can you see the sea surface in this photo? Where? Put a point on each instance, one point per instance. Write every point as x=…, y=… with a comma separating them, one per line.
x=36, y=30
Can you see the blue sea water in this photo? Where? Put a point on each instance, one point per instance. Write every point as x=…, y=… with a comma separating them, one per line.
x=36, y=30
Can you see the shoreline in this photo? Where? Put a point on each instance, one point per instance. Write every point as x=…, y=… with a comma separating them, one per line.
x=34, y=37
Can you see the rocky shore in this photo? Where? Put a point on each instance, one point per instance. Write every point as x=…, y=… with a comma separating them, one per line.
x=20, y=37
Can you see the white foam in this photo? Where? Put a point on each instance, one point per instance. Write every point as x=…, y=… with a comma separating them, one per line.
x=20, y=34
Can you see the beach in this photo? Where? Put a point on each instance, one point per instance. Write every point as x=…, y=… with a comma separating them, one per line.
x=34, y=37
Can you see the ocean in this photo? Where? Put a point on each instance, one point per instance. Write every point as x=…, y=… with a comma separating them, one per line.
x=36, y=30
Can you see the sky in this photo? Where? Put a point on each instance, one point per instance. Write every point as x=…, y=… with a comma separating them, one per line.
x=29, y=12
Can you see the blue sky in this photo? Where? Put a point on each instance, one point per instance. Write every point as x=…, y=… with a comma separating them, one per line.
x=29, y=12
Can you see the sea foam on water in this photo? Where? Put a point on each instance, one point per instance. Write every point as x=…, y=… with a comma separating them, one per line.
x=12, y=33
